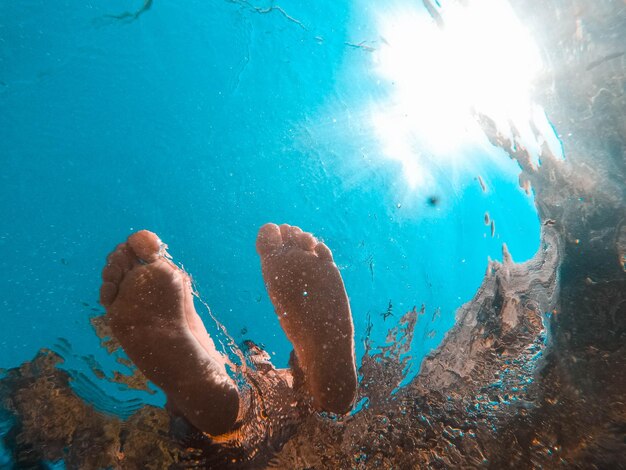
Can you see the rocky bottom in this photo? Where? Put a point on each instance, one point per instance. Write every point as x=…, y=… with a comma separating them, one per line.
x=489, y=397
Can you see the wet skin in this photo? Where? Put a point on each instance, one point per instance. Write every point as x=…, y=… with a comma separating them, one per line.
x=310, y=300
x=149, y=304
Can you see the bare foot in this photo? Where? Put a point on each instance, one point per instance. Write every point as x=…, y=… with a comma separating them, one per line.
x=308, y=294
x=149, y=305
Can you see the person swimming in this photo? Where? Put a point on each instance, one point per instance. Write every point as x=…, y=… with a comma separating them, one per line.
x=149, y=306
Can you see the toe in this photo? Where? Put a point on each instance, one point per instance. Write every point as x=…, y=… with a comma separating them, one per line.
x=121, y=257
x=146, y=245
x=323, y=252
x=291, y=235
x=108, y=291
x=306, y=241
x=269, y=239
x=112, y=273
x=286, y=234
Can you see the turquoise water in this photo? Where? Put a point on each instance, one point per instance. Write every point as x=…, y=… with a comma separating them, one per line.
x=201, y=121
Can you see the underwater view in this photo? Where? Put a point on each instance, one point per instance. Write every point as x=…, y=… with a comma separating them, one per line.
x=245, y=234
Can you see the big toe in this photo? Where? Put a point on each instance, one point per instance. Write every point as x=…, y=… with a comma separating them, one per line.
x=269, y=239
x=146, y=245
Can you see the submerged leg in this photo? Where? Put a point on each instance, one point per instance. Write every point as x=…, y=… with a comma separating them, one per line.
x=149, y=305
x=310, y=299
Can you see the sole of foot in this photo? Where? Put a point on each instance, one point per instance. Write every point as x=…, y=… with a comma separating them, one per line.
x=310, y=300
x=149, y=306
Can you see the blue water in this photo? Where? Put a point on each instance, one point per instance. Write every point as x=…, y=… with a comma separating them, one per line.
x=202, y=120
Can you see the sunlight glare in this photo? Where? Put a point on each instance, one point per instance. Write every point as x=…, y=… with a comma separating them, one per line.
x=481, y=60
